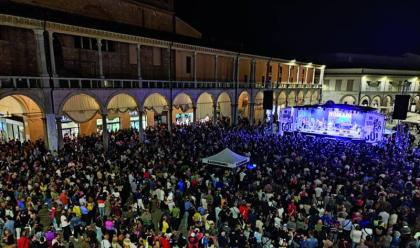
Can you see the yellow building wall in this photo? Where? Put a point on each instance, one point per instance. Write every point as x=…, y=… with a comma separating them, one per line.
x=244, y=70
x=224, y=69
x=274, y=71
x=284, y=75
x=261, y=70
x=310, y=75
x=181, y=66
x=125, y=120
x=205, y=67
x=150, y=118
x=35, y=128
x=89, y=127
x=293, y=74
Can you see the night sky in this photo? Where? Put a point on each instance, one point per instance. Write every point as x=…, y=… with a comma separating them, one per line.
x=306, y=29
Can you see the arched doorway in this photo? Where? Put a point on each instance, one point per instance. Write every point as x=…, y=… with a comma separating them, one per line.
x=417, y=103
x=308, y=96
x=123, y=113
x=291, y=99
x=315, y=97
x=300, y=98
x=376, y=102
x=156, y=109
x=388, y=104
x=182, y=112
x=21, y=119
x=350, y=100
x=281, y=101
x=258, y=107
x=224, y=106
x=243, y=105
x=364, y=101
x=81, y=116
x=205, y=107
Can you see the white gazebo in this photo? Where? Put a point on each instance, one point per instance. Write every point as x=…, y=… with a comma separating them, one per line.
x=226, y=158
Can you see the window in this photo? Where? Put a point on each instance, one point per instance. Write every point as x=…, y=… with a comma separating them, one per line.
x=327, y=82
x=86, y=43
x=132, y=54
x=270, y=69
x=157, y=56
x=188, y=64
x=338, y=84
x=350, y=83
x=77, y=42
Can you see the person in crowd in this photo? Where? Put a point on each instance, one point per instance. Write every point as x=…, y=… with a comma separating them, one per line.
x=303, y=191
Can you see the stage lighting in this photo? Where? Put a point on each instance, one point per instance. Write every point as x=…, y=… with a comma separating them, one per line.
x=251, y=166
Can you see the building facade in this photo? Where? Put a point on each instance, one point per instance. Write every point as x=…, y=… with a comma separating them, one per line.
x=58, y=78
x=371, y=87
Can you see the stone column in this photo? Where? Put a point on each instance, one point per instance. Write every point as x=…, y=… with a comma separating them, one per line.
x=321, y=76
x=52, y=56
x=237, y=71
x=141, y=131
x=101, y=68
x=51, y=131
x=195, y=69
x=215, y=67
x=40, y=56
x=105, y=137
x=234, y=110
x=288, y=74
x=59, y=132
x=297, y=74
x=139, y=61
x=313, y=75
x=214, y=113
x=251, y=112
x=306, y=74
x=194, y=113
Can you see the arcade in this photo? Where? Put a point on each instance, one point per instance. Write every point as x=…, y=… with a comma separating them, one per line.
x=336, y=120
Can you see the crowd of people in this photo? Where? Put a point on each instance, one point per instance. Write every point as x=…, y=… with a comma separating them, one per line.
x=304, y=191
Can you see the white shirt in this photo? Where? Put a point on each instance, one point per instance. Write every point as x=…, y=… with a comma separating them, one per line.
x=366, y=232
x=105, y=244
x=235, y=212
x=356, y=236
x=64, y=221
x=385, y=217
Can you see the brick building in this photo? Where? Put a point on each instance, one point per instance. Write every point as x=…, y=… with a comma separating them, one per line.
x=73, y=67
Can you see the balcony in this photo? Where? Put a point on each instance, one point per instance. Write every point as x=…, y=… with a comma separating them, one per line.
x=17, y=82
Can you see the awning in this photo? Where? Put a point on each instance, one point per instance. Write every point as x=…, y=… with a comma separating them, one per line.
x=226, y=158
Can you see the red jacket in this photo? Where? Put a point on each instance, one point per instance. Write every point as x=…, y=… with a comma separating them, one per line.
x=23, y=242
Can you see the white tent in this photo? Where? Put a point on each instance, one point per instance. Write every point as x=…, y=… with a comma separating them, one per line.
x=226, y=158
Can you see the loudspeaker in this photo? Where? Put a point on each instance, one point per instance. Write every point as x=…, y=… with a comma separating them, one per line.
x=400, y=107
x=268, y=99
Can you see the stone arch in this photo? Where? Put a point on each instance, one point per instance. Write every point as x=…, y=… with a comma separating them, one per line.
x=291, y=99
x=205, y=107
x=307, y=99
x=182, y=111
x=156, y=109
x=376, y=101
x=258, y=107
x=224, y=105
x=417, y=102
x=365, y=101
x=101, y=105
x=125, y=107
x=315, y=97
x=243, y=104
x=300, y=98
x=22, y=118
x=348, y=99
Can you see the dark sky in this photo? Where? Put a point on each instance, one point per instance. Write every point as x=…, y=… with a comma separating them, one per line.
x=306, y=29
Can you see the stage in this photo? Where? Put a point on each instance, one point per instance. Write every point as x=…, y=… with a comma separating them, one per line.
x=334, y=120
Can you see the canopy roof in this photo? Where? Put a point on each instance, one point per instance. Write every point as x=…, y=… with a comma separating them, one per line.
x=226, y=158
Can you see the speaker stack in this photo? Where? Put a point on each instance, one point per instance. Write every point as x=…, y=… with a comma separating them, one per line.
x=400, y=107
x=268, y=100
